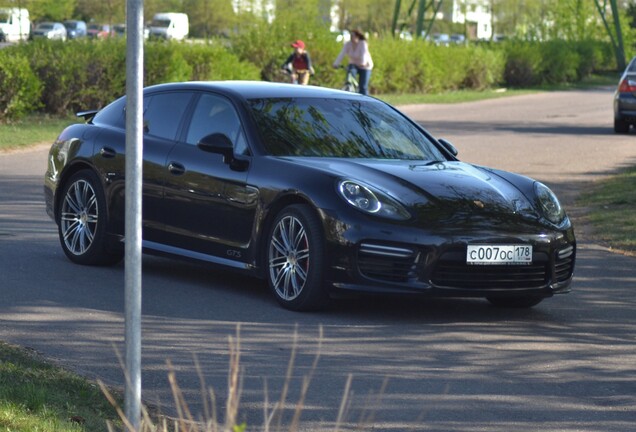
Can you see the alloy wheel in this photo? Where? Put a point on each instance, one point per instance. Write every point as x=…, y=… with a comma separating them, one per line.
x=289, y=258
x=79, y=217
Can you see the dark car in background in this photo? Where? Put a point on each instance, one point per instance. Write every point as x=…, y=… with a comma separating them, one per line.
x=75, y=29
x=625, y=100
x=319, y=191
x=98, y=31
x=50, y=30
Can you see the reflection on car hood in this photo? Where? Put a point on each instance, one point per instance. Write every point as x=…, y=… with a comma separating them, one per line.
x=451, y=188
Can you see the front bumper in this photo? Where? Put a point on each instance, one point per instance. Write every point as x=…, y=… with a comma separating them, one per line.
x=435, y=263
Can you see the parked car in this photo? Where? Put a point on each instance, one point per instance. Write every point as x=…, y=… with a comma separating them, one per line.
x=170, y=25
x=15, y=24
x=457, y=39
x=441, y=39
x=75, y=29
x=50, y=30
x=625, y=100
x=317, y=190
x=119, y=30
x=98, y=31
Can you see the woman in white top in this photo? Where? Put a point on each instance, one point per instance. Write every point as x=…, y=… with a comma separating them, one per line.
x=357, y=49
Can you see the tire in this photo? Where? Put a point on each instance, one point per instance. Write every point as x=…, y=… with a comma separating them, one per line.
x=82, y=220
x=621, y=126
x=515, y=302
x=295, y=259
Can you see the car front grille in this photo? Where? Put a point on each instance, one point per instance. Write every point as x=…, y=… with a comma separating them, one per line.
x=452, y=271
x=403, y=265
x=457, y=274
x=386, y=263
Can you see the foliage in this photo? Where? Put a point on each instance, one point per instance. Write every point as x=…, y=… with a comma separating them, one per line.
x=86, y=74
x=212, y=61
x=523, y=64
x=49, y=10
x=559, y=62
x=21, y=88
x=609, y=205
x=37, y=396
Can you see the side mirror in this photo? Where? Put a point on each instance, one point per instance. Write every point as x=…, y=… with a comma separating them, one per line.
x=448, y=146
x=218, y=143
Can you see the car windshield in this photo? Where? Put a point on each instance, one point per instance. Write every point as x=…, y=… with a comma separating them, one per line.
x=45, y=26
x=160, y=23
x=339, y=128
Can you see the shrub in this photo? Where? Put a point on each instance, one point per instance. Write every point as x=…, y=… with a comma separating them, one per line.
x=164, y=62
x=21, y=88
x=559, y=63
x=62, y=69
x=485, y=68
x=212, y=61
x=523, y=64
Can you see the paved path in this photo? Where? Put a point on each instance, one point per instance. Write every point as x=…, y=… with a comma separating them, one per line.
x=449, y=365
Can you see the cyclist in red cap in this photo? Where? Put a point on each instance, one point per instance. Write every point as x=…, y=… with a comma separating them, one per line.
x=298, y=64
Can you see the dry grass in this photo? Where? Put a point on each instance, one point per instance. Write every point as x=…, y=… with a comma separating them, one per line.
x=273, y=417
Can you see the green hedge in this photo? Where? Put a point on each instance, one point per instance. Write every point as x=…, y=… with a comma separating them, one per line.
x=62, y=77
x=20, y=88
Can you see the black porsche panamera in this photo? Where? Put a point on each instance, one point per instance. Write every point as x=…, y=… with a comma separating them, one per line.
x=317, y=190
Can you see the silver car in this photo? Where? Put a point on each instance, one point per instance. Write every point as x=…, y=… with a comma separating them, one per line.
x=50, y=30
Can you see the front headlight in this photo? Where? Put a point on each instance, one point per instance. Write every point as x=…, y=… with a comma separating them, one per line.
x=549, y=204
x=371, y=200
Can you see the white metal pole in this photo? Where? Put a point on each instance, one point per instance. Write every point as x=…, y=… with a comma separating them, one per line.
x=134, y=154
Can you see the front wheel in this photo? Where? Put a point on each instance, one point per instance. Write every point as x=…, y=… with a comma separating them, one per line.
x=82, y=221
x=295, y=259
x=515, y=302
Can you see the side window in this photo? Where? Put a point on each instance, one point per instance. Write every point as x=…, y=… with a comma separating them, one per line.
x=113, y=114
x=215, y=114
x=163, y=112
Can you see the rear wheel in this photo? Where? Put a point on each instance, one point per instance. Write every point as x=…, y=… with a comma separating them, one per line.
x=295, y=259
x=82, y=221
x=621, y=126
x=515, y=302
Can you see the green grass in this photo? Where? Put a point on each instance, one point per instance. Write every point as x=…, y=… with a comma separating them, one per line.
x=37, y=396
x=35, y=129
x=611, y=205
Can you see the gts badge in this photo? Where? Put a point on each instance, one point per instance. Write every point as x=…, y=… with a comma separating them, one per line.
x=233, y=253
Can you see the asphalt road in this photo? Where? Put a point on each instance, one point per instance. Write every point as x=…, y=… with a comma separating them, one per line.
x=568, y=364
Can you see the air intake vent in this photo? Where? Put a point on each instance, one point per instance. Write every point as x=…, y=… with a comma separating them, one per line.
x=386, y=263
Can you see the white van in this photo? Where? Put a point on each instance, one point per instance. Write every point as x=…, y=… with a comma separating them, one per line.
x=170, y=25
x=15, y=24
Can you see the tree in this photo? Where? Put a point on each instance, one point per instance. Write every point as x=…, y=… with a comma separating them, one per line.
x=209, y=17
x=614, y=32
x=106, y=11
x=45, y=10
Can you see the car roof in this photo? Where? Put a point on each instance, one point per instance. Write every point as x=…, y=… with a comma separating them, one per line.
x=256, y=89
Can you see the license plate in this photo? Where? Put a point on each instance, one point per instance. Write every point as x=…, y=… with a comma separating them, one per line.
x=499, y=254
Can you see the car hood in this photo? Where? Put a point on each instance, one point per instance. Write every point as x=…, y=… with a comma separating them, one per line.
x=451, y=188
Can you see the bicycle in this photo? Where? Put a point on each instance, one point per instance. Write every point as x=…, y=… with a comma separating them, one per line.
x=295, y=75
x=351, y=82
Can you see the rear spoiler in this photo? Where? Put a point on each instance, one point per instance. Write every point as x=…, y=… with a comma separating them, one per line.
x=88, y=115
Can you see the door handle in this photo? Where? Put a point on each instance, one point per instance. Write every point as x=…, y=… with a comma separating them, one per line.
x=107, y=152
x=176, y=168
